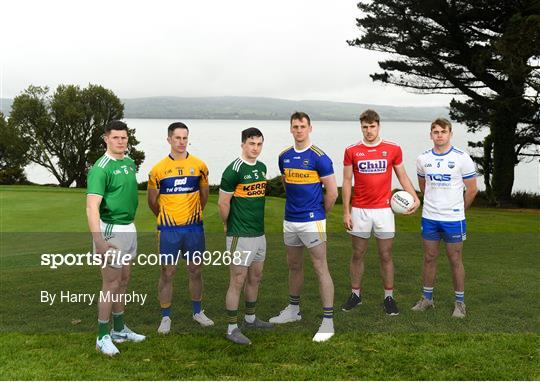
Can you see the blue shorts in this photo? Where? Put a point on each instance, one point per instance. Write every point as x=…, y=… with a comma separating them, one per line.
x=450, y=232
x=185, y=241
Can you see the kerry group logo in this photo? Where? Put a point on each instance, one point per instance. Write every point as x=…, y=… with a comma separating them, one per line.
x=376, y=166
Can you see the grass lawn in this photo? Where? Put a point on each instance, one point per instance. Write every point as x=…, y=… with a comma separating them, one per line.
x=498, y=340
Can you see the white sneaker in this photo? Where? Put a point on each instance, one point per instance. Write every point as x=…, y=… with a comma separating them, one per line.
x=126, y=335
x=202, y=319
x=326, y=331
x=459, y=310
x=106, y=346
x=286, y=315
x=165, y=325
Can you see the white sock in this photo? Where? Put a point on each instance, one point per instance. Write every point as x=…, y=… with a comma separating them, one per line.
x=388, y=293
x=231, y=327
x=327, y=325
x=250, y=318
x=295, y=309
x=356, y=292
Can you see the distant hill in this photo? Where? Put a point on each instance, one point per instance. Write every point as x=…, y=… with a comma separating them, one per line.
x=261, y=108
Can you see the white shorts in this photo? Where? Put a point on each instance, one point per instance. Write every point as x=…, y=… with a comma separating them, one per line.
x=380, y=220
x=250, y=248
x=308, y=234
x=124, y=238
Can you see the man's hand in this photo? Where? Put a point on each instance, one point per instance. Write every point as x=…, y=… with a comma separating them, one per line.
x=347, y=221
x=414, y=207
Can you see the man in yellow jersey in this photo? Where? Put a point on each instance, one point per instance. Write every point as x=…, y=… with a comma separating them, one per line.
x=177, y=194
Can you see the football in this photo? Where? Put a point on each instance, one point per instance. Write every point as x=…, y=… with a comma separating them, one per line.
x=401, y=202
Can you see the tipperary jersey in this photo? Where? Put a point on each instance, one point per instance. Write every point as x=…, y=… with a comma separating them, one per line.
x=114, y=180
x=179, y=182
x=444, y=174
x=247, y=183
x=302, y=172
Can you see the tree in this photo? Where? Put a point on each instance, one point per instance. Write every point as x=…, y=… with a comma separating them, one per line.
x=64, y=130
x=12, y=155
x=487, y=51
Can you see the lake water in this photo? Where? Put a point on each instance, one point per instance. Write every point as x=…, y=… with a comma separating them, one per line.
x=217, y=142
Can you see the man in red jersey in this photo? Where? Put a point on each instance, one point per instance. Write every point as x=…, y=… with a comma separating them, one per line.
x=371, y=161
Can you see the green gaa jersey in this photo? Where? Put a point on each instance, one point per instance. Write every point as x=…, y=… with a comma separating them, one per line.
x=247, y=183
x=114, y=179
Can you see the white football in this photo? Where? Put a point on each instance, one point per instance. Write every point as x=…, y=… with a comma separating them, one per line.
x=401, y=202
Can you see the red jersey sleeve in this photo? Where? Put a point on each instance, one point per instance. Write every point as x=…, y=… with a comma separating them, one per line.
x=398, y=157
x=347, y=158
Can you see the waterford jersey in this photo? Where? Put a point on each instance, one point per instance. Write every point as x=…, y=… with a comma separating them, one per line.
x=302, y=172
x=114, y=180
x=247, y=183
x=179, y=182
x=444, y=174
x=372, y=170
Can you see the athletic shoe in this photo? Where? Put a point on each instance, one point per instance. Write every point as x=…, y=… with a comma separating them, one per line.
x=257, y=324
x=126, y=335
x=202, y=319
x=423, y=304
x=459, y=310
x=326, y=331
x=237, y=337
x=286, y=315
x=351, y=302
x=106, y=346
x=165, y=325
x=390, y=306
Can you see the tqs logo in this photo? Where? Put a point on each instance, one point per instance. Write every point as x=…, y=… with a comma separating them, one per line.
x=440, y=177
x=372, y=166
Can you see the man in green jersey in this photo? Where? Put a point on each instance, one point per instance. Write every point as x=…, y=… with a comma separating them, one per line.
x=241, y=207
x=111, y=203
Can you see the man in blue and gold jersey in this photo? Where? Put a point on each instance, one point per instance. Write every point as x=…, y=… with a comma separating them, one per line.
x=177, y=194
x=306, y=169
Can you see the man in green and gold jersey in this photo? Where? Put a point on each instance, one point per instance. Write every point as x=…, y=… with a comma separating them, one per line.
x=241, y=207
x=111, y=203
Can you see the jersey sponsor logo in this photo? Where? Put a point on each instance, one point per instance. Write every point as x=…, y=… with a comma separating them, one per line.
x=440, y=177
x=372, y=166
x=251, y=190
x=299, y=176
x=180, y=182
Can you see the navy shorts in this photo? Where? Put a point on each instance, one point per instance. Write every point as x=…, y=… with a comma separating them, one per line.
x=187, y=242
x=450, y=232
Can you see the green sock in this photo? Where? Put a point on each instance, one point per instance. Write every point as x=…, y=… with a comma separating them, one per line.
x=250, y=307
x=232, y=316
x=118, y=321
x=103, y=328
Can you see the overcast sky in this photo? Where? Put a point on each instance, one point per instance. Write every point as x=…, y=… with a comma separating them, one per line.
x=294, y=49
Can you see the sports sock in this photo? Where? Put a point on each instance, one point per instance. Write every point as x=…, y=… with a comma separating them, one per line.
x=355, y=291
x=328, y=313
x=103, y=328
x=294, y=303
x=427, y=292
x=232, y=319
x=250, y=311
x=166, y=310
x=389, y=292
x=196, y=306
x=118, y=321
x=460, y=296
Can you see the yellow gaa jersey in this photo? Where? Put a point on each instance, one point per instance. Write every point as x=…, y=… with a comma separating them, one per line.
x=302, y=172
x=179, y=182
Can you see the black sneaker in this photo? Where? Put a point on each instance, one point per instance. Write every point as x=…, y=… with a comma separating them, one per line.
x=351, y=302
x=390, y=306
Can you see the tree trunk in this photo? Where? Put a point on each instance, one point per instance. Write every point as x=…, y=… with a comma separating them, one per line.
x=503, y=128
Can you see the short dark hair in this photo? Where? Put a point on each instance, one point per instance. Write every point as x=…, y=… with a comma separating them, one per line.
x=115, y=125
x=176, y=125
x=251, y=132
x=370, y=116
x=300, y=115
x=442, y=122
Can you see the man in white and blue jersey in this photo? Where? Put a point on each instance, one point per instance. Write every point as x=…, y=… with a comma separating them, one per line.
x=447, y=178
x=306, y=169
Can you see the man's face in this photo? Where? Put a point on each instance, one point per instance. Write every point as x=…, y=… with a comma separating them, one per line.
x=370, y=131
x=440, y=135
x=300, y=129
x=252, y=148
x=116, y=141
x=178, y=140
